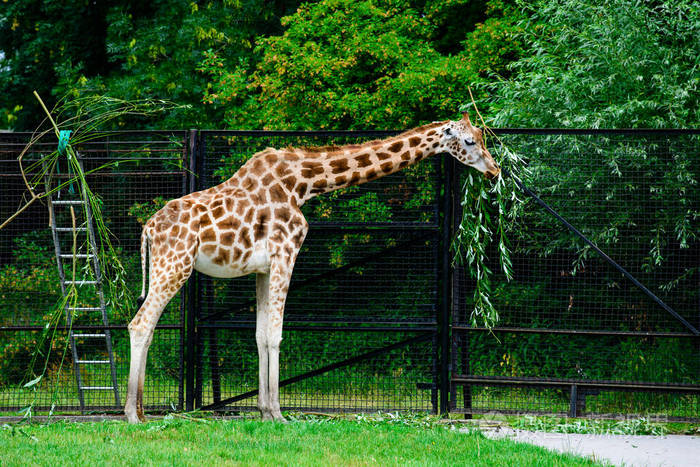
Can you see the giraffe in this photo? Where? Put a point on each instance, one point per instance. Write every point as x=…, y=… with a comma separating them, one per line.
x=252, y=223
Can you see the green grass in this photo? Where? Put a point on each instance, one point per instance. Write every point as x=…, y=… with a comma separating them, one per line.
x=177, y=441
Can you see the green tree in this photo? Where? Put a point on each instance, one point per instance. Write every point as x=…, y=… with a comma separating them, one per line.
x=42, y=42
x=604, y=64
x=124, y=49
x=346, y=64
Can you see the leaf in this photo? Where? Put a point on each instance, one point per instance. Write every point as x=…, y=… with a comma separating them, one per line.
x=33, y=382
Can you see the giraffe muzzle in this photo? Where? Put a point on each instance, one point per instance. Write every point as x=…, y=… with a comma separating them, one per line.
x=491, y=174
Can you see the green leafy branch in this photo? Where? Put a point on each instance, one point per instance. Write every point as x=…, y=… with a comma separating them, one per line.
x=487, y=210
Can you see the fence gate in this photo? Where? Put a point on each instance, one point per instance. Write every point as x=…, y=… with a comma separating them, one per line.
x=361, y=330
x=588, y=331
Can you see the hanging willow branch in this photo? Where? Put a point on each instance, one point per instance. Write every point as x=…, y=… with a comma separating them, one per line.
x=487, y=210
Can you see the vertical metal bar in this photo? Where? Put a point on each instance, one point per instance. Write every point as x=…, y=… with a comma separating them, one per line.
x=191, y=324
x=437, y=276
x=572, y=403
x=187, y=180
x=446, y=282
x=435, y=367
x=213, y=348
x=199, y=367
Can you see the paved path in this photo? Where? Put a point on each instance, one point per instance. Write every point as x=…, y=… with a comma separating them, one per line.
x=622, y=450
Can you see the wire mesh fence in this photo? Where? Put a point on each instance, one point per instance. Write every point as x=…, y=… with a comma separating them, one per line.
x=365, y=321
x=576, y=336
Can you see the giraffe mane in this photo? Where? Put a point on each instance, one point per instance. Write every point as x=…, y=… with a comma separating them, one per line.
x=336, y=148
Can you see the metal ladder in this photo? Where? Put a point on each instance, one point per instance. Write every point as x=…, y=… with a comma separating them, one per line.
x=58, y=202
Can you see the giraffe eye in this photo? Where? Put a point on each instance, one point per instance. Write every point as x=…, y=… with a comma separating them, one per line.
x=469, y=143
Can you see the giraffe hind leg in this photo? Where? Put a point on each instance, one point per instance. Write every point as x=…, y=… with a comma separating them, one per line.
x=163, y=288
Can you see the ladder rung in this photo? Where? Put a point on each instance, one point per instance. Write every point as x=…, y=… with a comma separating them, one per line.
x=67, y=201
x=78, y=336
x=83, y=308
x=80, y=282
x=92, y=362
x=78, y=256
x=97, y=388
x=70, y=229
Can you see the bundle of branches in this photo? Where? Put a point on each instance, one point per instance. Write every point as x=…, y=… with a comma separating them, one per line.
x=75, y=122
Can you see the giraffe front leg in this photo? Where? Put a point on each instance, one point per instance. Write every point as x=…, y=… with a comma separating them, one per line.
x=262, y=283
x=280, y=276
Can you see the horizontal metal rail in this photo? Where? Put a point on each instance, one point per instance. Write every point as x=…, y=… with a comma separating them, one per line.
x=568, y=382
x=574, y=332
x=391, y=226
x=312, y=328
x=82, y=327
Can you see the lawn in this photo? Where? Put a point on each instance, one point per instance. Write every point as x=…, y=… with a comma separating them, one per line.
x=178, y=441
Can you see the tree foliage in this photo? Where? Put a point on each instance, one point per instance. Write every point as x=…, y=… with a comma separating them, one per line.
x=603, y=64
x=124, y=49
x=344, y=64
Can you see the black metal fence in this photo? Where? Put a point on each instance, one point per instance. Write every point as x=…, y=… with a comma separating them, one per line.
x=377, y=318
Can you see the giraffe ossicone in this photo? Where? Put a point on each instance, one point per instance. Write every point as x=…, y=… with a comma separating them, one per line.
x=252, y=224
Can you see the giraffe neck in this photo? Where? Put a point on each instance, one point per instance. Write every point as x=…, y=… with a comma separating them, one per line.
x=322, y=170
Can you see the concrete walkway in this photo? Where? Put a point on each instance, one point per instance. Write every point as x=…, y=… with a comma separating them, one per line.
x=621, y=450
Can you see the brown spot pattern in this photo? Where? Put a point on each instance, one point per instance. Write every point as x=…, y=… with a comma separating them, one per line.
x=260, y=228
x=244, y=238
x=363, y=160
x=339, y=165
x=283, y=214
x=301, y=190
x=277, y=194
x=354, y=179
x=208, y=235
x=289, y=183
x=396, y=147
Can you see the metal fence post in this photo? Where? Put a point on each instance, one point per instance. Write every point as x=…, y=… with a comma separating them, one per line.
x=192, y=302
x=446, y=282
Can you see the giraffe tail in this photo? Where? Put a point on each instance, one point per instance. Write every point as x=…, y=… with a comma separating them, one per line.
x=144, y=260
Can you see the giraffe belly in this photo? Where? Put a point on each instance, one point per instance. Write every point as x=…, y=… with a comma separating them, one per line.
x=258, y=262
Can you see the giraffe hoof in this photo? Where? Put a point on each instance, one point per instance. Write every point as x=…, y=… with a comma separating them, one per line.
x=131, y=417
x=278, y=418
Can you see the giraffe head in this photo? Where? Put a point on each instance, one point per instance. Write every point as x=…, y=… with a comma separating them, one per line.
x=465, y=143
